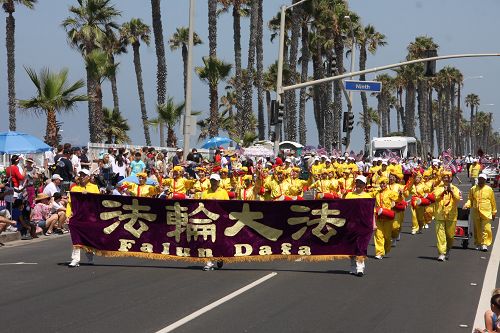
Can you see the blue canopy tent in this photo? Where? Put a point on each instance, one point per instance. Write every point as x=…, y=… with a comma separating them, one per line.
x=215, y=142
x=21, y=143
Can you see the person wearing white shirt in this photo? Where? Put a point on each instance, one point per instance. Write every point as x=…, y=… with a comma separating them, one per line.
x=75, y=160
x=53, y=187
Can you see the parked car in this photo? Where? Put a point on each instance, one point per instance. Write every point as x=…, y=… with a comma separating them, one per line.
x=492, y=172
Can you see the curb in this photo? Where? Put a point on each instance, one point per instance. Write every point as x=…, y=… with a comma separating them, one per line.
x=10, y=236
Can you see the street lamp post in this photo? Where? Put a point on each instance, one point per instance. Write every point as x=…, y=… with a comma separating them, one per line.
x=353, y=48
x=279, y=83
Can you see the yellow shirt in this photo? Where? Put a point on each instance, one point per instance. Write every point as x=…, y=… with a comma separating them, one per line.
x=316, y=169
x=247, y=193
x=474, y=170
x=142, y=190
x=386, y=198
x=445, y=207
x=219, y=194
x=482, y=200
x=362, y=195
x=179, y=185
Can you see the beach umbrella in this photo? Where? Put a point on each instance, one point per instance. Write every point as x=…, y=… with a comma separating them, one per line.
x=215, y=142
x=21, y=143
x=134, y=179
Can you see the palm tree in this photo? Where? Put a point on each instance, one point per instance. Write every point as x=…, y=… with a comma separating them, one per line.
x=384, y=98
x=212, y=28
x=133, y=33
x=113, y=45
x=213, y=72
x=116, y=126
x=86, y=30
x=248, y=86
x=228, y=102
x=472, y=101
x=259, y=75
x=54, y=94
x=10, y=26
x=180, y=40
x=169, y=114
x=368, y=39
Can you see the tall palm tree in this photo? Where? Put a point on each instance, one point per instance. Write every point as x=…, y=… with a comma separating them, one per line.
x=212, y=28
x=259, y=74
x=180, y=39
x=472, y=101
x=133, y=33
x=10, y=26
x=213, y=71
x=86, y=29
x=384, y=98
x=113, y=45
x=368, y=40
x=169, y=114
x=248, y=86
x=116, y=126
x=161, y=63
x=54, y=94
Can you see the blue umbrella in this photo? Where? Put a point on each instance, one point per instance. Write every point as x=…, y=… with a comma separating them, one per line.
x=135, y=180
x=215, y=142
x=21, y=143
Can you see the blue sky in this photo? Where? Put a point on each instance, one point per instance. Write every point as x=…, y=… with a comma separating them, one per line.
x=458, y=26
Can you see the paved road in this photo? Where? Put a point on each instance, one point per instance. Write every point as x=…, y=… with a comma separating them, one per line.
x=409, y=291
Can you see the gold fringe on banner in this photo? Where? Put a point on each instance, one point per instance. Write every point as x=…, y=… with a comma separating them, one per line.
x=255, y=258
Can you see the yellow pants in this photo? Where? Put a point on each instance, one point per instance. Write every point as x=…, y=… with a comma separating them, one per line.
x=417, y=218
x=382, y=237
x=482, y=229
x=445, y=233
x=428, y=213
x=398, y=221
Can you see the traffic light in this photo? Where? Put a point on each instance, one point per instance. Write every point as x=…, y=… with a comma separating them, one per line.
x=274, y=115
x=344, y=141
x=344, y=122
x=281, y=111
x=350, y=121
x=330, y=65
x=430, y=66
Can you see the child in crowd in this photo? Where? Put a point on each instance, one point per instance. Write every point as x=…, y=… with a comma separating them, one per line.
x=24, y=225
x=41, y=214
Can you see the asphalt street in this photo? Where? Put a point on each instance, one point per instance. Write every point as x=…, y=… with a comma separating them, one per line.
x=408, y=291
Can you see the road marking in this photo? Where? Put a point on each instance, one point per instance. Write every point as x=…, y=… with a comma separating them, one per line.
x=215, y=304
x=489, y=283
x=18, y=263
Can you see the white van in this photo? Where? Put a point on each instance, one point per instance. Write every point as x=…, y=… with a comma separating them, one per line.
x=403, y=146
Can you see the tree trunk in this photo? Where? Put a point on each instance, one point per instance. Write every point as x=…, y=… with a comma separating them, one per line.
x=303, y=78
x=431, y=120
x=212, y=28
x=260, y=72
x=410, y=109
x=185, y=67
x=337, y=93
x=91, y=86
x=364, y=99
x=458, y=133
x=213, y=127
x=422, y=116
x=114, y=87
x=11, y=67
x=382, y=107
x=51, y=128
x=291, y=116
x=140, y=89
x=161, y=64
x=317, y=91
x=238, y=85
x=268, y=107
x=248, y=92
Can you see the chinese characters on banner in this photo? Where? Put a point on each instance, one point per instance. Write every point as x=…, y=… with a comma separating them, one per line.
x=195, y=230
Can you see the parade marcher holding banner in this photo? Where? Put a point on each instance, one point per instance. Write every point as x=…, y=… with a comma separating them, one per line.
x=385, y=199
x=216, y=193
x=445, y=211
x=358, y=263
x=483, y=206
x=83, y=185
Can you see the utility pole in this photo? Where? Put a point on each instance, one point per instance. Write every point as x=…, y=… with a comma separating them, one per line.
x=187, y=110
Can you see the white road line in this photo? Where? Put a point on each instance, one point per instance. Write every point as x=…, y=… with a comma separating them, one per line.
x=215, y=304
x=490, y=280
x=18, y=263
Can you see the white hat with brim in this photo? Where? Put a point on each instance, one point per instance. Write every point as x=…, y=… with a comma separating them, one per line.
x=85, y=172
x=482, y=175
x=215, y=176
x=361, y=178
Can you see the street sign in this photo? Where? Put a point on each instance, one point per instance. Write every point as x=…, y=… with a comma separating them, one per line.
x=371, y=86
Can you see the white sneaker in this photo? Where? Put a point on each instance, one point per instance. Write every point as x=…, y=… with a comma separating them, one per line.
x=74, y=263
x=360, y=273
x=413, y=232
x=394, y=240
x=426, y=226
x=441, y=257
x=209, y=266
x=11, y=229
x=378, y=257
x=484, y=248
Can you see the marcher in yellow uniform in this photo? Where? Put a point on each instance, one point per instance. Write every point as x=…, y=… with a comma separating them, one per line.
x=177, y=184
x=324, y=185
x=278, y=187
x=483, y=206
x=316, y=167
x=201, y=184
x=358, y=263
x=142, y=189
x=475, y=170
x=400, y=214
x=225, y=181
x=83, y=185
x=385, y=198
x=445, y=213
x=395, y=169
x=214, y=192
x=296, y=184
x=430, y=183
x=382, y=172
x=248, y=190
x=418, y=189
